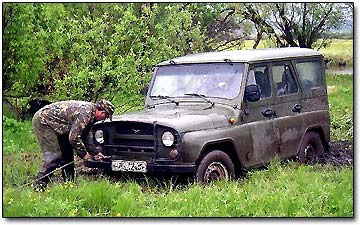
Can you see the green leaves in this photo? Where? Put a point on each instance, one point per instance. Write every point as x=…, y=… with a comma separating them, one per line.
x=92, y=51
x=89, y=51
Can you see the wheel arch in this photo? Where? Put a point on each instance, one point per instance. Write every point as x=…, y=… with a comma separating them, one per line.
x=318, y=129
x=227, y=146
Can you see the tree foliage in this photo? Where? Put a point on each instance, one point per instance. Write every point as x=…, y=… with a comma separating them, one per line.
x=88, y=51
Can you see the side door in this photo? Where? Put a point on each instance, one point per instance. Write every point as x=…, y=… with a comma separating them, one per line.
x=287, y=107
x=258, y=116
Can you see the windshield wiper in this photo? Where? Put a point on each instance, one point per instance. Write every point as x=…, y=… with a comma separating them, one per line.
x=165, y=97
x=203, y=97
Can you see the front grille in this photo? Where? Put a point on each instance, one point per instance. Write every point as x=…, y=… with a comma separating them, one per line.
x=128, y=140
x=134, y=128
x=129, y=137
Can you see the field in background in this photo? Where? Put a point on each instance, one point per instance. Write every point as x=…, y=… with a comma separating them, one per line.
x=339, y=50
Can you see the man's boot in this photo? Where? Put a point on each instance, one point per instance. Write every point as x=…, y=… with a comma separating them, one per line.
x=51, y=162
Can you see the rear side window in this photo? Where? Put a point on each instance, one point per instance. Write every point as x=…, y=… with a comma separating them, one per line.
x=284, y=80
x=310, y=74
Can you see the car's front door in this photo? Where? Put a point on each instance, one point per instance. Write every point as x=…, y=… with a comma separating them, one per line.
x=258, y=116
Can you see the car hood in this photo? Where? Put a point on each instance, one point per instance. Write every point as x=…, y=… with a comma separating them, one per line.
x=183, y=118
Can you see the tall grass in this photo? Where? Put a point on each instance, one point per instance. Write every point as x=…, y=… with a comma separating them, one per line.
x=340, y=94
x=280, y=191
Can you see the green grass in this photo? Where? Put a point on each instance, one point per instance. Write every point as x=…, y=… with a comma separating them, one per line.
x=340, y=94
x=292, y=190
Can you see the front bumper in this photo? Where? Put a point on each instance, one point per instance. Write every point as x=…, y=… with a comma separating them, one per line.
x=151, y=167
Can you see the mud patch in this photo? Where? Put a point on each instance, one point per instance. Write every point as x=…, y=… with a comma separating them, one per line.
x=81, y=169
x=340, y=154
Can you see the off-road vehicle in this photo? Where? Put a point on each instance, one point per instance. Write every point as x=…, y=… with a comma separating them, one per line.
x=214, y=114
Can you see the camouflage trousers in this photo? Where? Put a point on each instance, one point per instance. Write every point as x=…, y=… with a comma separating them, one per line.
x=56, y=150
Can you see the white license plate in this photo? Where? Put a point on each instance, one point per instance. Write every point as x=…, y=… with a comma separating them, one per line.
x=128, y=166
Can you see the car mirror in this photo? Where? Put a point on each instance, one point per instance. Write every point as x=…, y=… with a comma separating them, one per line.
x=144, y=90
x=252, y=92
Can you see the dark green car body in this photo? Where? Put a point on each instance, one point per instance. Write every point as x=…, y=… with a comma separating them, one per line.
x=293, y=102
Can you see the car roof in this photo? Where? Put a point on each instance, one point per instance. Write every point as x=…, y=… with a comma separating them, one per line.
x=243, y=55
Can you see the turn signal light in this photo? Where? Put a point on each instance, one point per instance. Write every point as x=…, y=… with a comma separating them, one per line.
x=232, y=120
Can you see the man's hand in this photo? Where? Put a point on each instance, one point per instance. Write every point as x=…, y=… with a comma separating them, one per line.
x=87, y=156
x=99, y=156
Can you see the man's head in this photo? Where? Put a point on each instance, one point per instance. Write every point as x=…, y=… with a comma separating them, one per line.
x=104, y=109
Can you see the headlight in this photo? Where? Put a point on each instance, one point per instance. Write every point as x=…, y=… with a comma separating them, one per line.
x=167, y=139
x=99, y=136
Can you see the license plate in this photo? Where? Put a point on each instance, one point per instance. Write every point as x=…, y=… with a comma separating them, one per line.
x=128, y=166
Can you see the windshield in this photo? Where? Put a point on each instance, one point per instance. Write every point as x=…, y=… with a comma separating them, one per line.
x=211, y=80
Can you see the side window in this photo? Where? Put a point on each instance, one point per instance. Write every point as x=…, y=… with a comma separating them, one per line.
x=260, y=76
x=284, y=80
x=310, y=74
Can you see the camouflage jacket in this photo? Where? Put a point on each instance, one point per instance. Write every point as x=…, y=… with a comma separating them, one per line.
x=73, y=117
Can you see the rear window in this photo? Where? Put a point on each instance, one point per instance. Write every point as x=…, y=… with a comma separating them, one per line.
x=310, y=74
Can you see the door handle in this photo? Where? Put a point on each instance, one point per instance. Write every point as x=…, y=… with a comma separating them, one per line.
x=297, y=108
x=267, y=112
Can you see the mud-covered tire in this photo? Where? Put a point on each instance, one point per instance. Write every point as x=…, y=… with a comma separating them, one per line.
x=311, y=149
x=216, y=165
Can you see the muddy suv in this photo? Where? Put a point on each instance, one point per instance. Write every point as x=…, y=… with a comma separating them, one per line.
x=214, y=114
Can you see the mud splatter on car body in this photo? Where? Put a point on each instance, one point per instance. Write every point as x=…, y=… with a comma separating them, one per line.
x=213, y=114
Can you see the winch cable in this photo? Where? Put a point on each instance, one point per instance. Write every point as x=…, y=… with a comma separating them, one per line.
x=57, y=169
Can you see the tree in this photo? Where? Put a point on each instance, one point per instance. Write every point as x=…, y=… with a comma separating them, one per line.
x=31, y=40
x=223, y=26
x=90, y=51
x=295, y=24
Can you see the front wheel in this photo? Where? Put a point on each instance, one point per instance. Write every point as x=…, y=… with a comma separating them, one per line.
x=311, y=149
x=216, y=165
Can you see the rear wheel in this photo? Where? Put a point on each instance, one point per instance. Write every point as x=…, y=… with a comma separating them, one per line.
x=311, y=149
x=216, y=165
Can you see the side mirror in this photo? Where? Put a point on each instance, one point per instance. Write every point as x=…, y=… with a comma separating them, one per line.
x=144, y=90
x=252, y=92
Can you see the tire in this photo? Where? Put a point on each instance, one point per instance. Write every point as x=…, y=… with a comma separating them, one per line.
x=216, y=165
x=311, y=149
